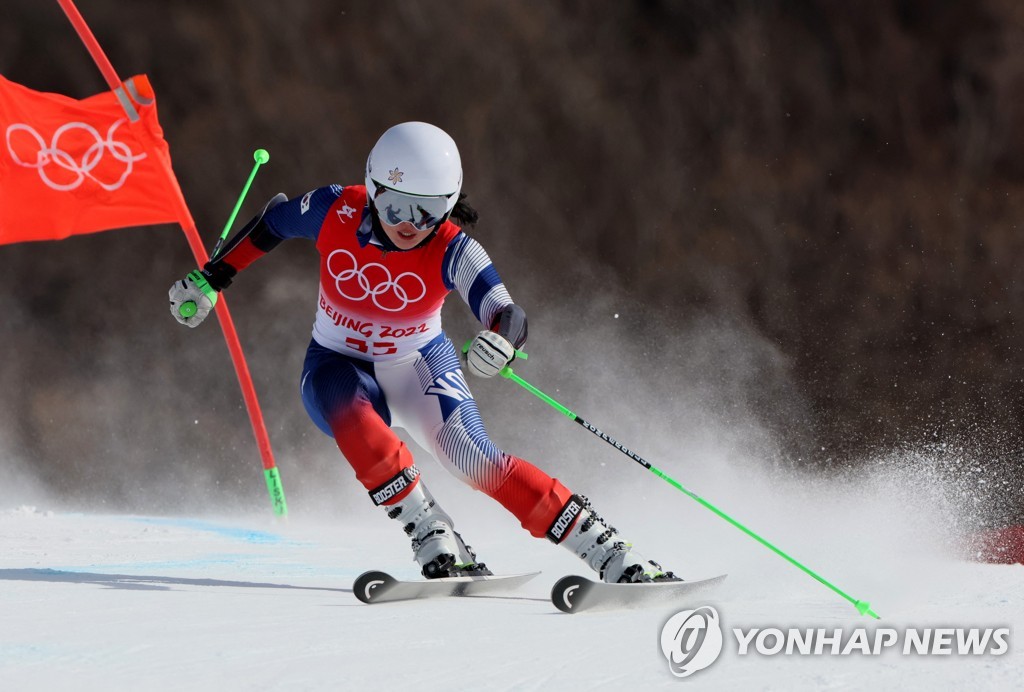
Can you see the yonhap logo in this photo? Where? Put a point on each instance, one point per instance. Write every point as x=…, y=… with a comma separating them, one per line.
x=691, y=640
x=863, y=641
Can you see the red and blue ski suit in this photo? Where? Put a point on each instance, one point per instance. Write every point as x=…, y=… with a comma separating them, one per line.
x=379, y=358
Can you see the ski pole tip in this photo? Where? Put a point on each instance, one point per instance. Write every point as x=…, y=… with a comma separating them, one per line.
x=864, y=608
x=261, y=156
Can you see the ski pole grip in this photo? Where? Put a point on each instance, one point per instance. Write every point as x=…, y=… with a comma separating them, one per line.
x=187, y=309
x=519, y=354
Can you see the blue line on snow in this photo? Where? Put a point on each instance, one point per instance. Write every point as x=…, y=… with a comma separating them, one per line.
x=247, y=535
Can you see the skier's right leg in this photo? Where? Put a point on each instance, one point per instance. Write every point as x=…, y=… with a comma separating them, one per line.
x=345, y=401
x=438, y=409
x=584, y=532
x=547, y=509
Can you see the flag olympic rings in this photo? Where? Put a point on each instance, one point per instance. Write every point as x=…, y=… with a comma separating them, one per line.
x=90, y=159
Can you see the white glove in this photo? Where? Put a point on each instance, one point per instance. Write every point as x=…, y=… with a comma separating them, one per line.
x=489, y=354
x=192, y=298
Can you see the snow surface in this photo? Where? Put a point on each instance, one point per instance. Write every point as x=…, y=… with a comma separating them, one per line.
x=249, y=602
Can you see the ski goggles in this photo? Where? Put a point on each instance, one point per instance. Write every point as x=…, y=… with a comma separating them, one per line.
x=422, y=211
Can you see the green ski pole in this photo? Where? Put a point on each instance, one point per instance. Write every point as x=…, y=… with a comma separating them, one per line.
x=863, y=607
x=261, y=156
x=188, y=308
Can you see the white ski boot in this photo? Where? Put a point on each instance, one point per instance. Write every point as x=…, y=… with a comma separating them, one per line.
x=439, y=551
x=603, y=549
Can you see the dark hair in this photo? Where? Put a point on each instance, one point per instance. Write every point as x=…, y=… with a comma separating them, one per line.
x=463, y=214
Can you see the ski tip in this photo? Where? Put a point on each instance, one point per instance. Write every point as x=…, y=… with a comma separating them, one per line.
x=369, y=585
x=567, y=593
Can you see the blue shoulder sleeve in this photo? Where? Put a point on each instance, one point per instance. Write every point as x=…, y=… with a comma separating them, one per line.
x=468, y=269
x=302, y=217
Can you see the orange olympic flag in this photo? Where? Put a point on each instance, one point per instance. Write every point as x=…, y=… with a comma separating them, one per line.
x=71, y=166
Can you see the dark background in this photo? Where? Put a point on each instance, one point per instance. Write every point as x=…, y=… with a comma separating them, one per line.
x=788, y=226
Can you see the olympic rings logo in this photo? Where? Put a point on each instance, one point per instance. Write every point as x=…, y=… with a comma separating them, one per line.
x=374, y=281
x=79, y=169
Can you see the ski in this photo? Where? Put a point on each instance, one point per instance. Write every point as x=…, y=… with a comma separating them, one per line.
x=380, y=587
x=574, y=594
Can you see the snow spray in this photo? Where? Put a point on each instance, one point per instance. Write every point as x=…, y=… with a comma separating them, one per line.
x=863, y=607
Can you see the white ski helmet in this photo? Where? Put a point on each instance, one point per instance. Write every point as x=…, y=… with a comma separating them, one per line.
x=420, y=162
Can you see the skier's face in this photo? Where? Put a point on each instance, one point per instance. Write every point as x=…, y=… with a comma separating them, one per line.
x=405, y=236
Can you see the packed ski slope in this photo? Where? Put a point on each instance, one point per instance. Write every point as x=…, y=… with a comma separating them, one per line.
x=105, y=601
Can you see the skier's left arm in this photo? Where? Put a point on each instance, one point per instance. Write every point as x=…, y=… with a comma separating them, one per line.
x=468, y=269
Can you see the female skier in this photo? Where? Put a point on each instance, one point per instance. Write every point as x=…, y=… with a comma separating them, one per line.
x=389, y=255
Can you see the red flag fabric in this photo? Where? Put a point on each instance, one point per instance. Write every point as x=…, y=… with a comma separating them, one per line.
x=72, y=166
